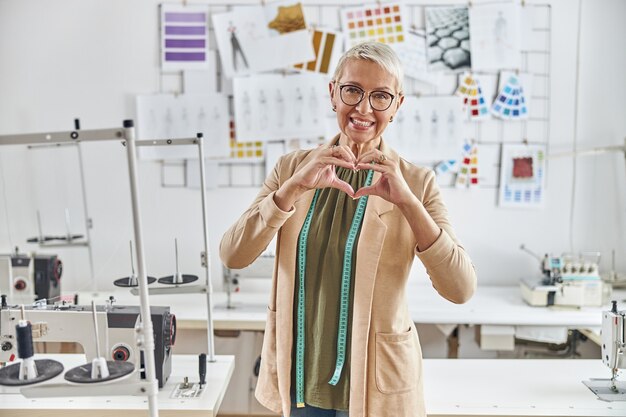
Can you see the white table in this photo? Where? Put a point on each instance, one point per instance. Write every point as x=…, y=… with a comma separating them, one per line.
x=515, y=387
x=218, y=376
x=490, y=305
x=498, y=306
x=459, y=387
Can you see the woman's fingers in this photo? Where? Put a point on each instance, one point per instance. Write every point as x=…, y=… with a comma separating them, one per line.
x=364, y=191
x=343, y=186
x=342, y=152
x=338, y=162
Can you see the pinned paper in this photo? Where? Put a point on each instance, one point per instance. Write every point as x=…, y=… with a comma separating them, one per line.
x=184, y=37
x=248, y=38
x=328, y=49
x=510, y=103
x=374, y=22
x=495, y=34
x=522, y=175
x=474, y=102
x=244, y=150
x=448, y=38
x=463, y=175
x=276, y=107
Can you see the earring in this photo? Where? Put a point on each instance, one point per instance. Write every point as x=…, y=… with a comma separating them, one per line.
x=391, y=119
x=335, y=109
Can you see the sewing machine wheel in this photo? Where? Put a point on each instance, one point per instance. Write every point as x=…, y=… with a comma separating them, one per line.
x=125, y=282
x=82, y=374
x=46, y=369
x=170, y=279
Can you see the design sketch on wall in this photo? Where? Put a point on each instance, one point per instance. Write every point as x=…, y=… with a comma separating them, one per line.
x=511, y=102
x=412, y=54
x=474, y=103
x=299, y=100
x=238, y=57
x=522, y=175
x=427, y=129
x=328, y=49
x=248, y=38
x=495, y=34
x=166, y=116
x=375, y=22
x=184, y=37
x=448, y=38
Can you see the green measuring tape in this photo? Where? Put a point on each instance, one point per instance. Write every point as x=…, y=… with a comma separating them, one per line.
x=345, y=292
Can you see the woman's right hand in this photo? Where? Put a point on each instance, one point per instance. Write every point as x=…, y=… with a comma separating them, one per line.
x=319, y=172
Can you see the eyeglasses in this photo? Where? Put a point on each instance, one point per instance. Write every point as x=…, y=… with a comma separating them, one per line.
x=352, y=95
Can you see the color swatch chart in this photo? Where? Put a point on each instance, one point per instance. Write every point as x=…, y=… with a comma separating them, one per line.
x=377, y=22
x=468, y=172
x=326, y=45
x=244, y=150
x=473, y=99
x=511, y=101
x=184, y=36
x=522, y=176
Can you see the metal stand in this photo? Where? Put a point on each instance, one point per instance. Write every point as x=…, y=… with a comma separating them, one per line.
x=145, y=335
x=207, y=288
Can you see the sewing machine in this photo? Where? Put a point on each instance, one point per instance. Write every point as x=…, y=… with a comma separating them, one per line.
x=63, y=322
x=613, y=356
x=27, y=278
x=567, y=280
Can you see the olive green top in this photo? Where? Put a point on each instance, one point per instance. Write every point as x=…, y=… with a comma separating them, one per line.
x=332, y=218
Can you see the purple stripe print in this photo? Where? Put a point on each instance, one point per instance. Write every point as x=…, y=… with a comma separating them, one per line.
x=185, y=56
x=185, y=30
x=185, y=43
x=185, y=17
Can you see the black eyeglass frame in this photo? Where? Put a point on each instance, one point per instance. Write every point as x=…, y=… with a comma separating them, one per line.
x=369, y=96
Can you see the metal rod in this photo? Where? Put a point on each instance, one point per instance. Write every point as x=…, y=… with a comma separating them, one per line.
x=95, y=327
x=39, y=226
x=132, y=261
x=205, y=229
x=177, y=277
x=67, y=224
x=88, y=223
x=146, y=319
x=61, y=137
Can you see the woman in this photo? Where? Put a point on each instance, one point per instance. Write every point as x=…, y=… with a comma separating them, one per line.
x=350, y=218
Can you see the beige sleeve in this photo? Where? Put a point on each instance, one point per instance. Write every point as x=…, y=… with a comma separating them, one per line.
x=244, y=241
x=448, y=265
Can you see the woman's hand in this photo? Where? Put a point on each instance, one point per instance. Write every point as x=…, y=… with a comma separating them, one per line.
x=391, y=185
x=319, y=172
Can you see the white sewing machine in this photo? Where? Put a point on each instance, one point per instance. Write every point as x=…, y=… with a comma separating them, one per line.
x=25, y=278
x=613, y=356
x=116, y=325
x=16, y=278
x=568, y=280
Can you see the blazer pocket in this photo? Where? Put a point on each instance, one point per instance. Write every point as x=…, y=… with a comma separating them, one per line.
x=396, y=362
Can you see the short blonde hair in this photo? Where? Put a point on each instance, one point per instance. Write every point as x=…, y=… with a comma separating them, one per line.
x=377, y=52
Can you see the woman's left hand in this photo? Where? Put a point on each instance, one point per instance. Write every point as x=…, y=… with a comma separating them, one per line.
x=391, y=185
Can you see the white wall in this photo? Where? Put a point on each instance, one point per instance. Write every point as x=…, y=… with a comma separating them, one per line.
x=89, y=58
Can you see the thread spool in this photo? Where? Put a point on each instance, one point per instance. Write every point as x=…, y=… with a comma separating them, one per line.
x=24, y=335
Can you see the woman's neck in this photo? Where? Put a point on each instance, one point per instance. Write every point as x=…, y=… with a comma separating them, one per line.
x=359, y=149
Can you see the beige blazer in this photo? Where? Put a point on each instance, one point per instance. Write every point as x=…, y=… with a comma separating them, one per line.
x=386, y=357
